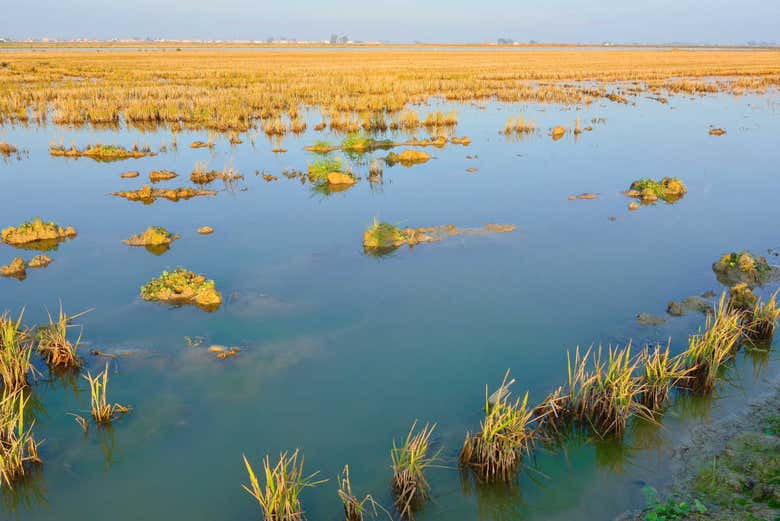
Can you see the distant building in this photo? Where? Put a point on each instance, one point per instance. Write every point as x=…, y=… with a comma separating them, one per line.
x=505, y=41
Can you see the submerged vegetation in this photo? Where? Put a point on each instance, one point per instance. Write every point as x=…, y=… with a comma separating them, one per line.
x=180, y=287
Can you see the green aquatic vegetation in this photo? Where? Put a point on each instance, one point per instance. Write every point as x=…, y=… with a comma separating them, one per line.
x=358, y=142
x=670, y=510
x=744, y=267
x=182, y=286
x=410, y=460
x=35, y=231
x=383, y=237
x=505, y=436
x=279, y=497
x=669, y=189
x=322, y=147
x=319, y=169
x=101, y=152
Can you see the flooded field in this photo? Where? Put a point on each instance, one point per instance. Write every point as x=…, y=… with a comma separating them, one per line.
x=319, y=343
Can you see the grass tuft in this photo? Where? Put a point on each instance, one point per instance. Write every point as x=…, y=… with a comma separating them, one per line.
x=279, y=497
x=410, y=460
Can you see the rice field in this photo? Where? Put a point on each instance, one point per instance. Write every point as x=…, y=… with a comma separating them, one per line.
x=344, y=257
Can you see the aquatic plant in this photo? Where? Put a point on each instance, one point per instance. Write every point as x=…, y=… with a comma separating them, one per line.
x=356, y=142
x=742, y=267
x=101, y=152
x=53, y=343
x=182, y=286
x=519, y=125
x=34, y=231
x=660, y=372
x=613, y=392
x=15, y=351
x=762, y=319
x=103, y=412
x=383, y=236
x=505, y=435
x=6, y=149
x=18, y=448
x=319, y=169
x=279, y=496
x=410, y=460
x=668, y=189
x=354, y=508
x=709, y=350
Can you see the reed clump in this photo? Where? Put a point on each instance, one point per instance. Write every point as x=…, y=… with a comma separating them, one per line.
x=354, y=508
x=660, y=373
x=18, y=448
x=519, y=125
x=762, y=320
x=410, y=461
x=505, y=436
x=103, y=412
x=708, y=351
x=279, y=496
x=54, y=345
x=16, y=346
x=669, y=189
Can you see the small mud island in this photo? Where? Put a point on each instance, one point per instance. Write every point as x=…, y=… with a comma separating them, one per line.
x=15, y=269
x=381, y=238
x=668, y=189
x=37, y=235
x=753, y=270
x=101, y=152
x=407, y=158
x=147, y=195
x=181, y=287
x=156, y=239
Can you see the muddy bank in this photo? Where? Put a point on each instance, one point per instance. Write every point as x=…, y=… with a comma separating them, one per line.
x=729, y=465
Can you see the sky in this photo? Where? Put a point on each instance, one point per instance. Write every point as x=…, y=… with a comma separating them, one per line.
x=457, y=21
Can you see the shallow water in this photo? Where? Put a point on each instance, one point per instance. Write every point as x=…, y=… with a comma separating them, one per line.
x=341, y=352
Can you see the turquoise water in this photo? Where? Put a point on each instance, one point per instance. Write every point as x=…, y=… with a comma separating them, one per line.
x=341, y=352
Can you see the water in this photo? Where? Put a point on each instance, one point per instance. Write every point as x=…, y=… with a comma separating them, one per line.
x=341, y=352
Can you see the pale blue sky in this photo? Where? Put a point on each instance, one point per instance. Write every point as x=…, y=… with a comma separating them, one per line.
x=648, y=21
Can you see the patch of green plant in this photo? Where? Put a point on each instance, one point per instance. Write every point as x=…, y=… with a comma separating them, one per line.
x=671, y=509
x=319, y=169
x=358, y=142
x=666, y=189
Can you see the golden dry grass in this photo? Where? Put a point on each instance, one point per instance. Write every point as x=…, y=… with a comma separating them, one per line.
x=232, y=90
